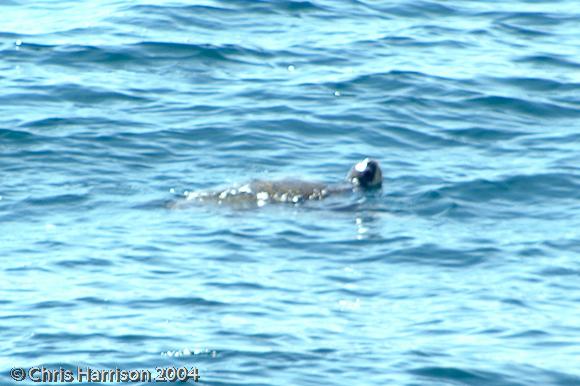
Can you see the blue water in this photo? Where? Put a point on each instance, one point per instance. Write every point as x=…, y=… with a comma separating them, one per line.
x=465, y=270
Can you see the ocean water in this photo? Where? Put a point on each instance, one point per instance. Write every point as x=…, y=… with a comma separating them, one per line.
x=464, y=270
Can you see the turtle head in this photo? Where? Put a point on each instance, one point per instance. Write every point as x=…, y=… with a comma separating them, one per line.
x=366, y=174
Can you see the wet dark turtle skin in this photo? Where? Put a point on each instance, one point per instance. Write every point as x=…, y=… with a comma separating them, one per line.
x=364, y=175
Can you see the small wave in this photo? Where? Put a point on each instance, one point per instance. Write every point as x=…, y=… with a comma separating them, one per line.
x=136, y=55
x=484, y=134
x=18, y=137
x=548, y=61
x=84, y=55
x=537, y=84
x=158, y=51
x=531, y=18
x=511, y=105
x=63, y=199
x=456, y=375
x=418, y=9
x=53, y=304
x=85, y=263
x=440, y=256
x=174, y=301
x=82, y=122
x=287, y=7
x=75, y=93
x=519, y=188
x=522, y=31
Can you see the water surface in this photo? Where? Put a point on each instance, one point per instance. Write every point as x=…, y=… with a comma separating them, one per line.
x=463, y=271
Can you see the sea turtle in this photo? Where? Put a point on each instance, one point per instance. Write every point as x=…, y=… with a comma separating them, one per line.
x=364, y=175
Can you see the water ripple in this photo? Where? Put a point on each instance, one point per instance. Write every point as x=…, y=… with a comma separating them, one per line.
x=464, y=262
